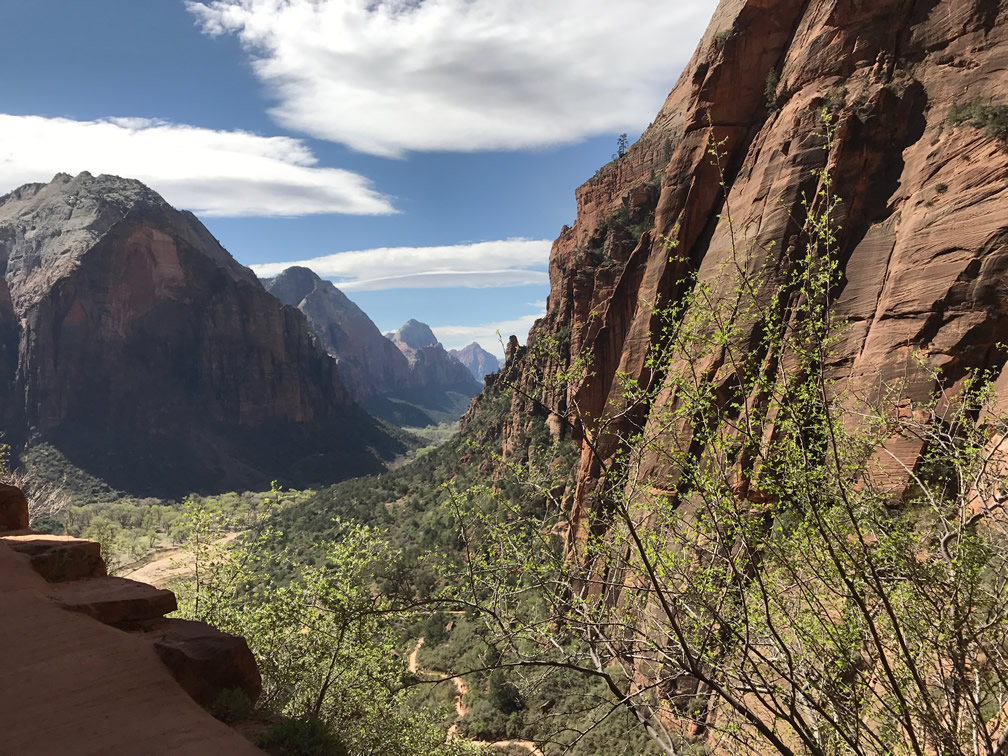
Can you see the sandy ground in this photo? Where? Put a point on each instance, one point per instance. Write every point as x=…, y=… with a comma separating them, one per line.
x=168, y=565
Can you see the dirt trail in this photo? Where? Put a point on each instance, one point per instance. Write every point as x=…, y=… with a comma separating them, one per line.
x=412, y=665
x=169, y=565
x=461, y=688
x=460, y=708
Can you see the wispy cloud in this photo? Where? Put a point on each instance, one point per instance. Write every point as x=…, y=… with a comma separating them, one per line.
x=490, y=336
x=389, y=76
x=213, y=173
x=511, y=262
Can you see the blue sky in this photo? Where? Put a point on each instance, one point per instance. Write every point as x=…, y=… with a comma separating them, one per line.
x=439, y=141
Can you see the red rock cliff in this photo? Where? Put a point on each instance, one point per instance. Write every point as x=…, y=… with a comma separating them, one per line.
x=924, y=213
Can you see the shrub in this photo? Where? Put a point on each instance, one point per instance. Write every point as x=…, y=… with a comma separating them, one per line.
x=992, y=119
x=301, y=737
x=232, y=705
x=770, y=89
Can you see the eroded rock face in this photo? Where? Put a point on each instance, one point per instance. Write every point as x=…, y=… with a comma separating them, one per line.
x=206, y=662
x=150, y=357
x=59, y=558
x=83, y=642
x=369, y=364
x=923, y=213
x=923, y=219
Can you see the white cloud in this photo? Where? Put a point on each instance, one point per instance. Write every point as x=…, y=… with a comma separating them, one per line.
x=389, y=76
x=212, y=173
x=486, y=335
x=512, y=262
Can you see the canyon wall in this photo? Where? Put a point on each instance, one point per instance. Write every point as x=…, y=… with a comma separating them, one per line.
x=923, y=212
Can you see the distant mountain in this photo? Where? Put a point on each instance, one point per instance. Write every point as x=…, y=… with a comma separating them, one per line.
x=479, y=361
x=369, y=364
x=430, y=364
x=133, y=343
x=412, y=336
x=440, y=385
x=405, y=377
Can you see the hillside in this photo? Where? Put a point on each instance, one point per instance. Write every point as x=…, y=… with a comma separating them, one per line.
x=819, y=168
x=147, y=356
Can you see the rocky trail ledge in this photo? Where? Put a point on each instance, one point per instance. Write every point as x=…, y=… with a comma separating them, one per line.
x=92, y=666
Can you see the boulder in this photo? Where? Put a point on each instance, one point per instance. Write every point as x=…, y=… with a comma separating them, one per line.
x=114, y=600
x=205, y=661
x=13, y=508
x=58, y=558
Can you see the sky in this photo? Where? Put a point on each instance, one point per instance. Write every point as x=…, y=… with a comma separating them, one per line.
x=421, y=154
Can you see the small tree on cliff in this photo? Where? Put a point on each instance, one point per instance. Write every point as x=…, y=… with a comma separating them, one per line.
x=758, y=567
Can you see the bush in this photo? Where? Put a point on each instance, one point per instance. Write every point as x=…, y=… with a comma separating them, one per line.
x=770, y=89
x=993, y=119
x=484, y=721
x=301, y=737
x=232, y=705
x=504, y=694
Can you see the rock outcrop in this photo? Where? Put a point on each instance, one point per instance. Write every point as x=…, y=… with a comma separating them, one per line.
x=479, y=361
x=369, y=364
x=152, y=359
x=91, y=666
x=923, y=213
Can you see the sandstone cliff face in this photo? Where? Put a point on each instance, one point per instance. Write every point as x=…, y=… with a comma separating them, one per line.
x=369, y=364
x=149, y=356
x=479, y=361
x=924, y=213
x=88, y=643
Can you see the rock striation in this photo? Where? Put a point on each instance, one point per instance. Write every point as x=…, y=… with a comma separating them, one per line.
x=479, y=361
x=134, y=343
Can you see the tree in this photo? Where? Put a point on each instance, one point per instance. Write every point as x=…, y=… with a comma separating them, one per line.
x=758, y=567
x=622, y=144
x=322, y=634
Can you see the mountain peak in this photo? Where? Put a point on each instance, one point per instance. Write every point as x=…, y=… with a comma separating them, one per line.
x=415, y=335
x=293, y=284
x=479, y=361
x=47, y=228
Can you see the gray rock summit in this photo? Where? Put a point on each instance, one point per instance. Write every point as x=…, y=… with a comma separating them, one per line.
x=414, y=335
